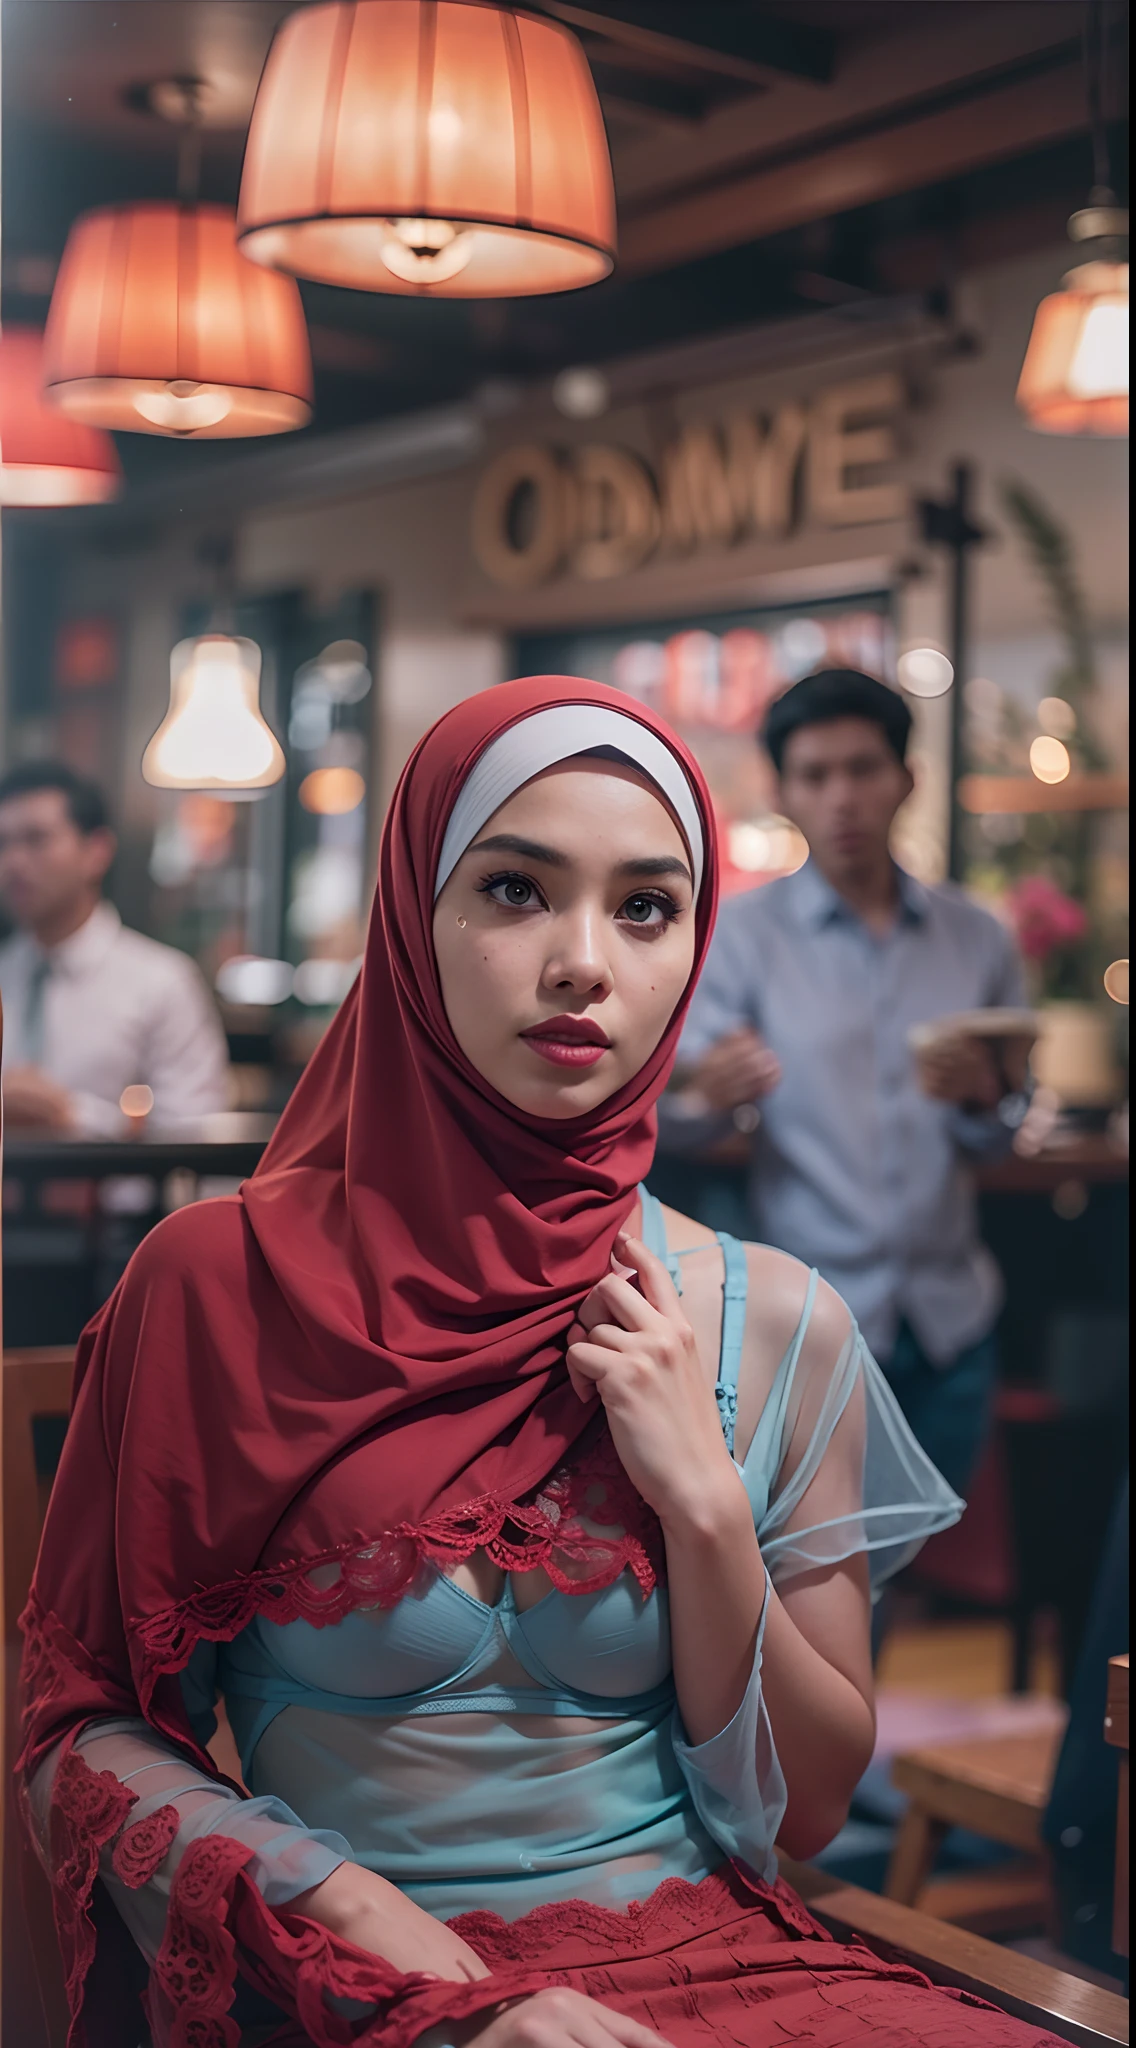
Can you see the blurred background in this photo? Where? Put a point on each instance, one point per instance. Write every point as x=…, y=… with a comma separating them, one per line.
x=265, y=531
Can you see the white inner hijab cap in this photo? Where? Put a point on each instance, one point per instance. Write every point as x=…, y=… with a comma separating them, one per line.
x=558, y=734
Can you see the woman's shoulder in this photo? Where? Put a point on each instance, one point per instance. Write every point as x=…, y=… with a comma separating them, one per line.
x=778, y=1293
x=203, y=1242
x=783, y=1293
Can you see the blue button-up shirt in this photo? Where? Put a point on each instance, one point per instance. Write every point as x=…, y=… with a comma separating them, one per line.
x=855, y=1170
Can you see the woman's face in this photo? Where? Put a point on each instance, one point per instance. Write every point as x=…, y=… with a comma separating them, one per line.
x=565, y=937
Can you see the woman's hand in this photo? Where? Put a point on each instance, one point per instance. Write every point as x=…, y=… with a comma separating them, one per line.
x=364, y=1909
x=638, y=1351
x=551, y=2019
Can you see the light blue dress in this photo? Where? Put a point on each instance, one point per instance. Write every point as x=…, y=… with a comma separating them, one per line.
x=486, y=1756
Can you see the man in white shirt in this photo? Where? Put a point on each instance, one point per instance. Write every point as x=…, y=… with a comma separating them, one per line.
x=89, y=1006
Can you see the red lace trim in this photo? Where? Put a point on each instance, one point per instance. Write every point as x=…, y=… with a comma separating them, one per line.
x=142, y=1846
x=196, y=1967
x=51, y=1652
x=675, y=1910
x=216, y=1913
x=551, y=1532
x=87, y=1810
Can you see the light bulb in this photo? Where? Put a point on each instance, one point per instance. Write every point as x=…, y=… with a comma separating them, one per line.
x=1099, y=368
x=425, y=251
x=183, y=408
x=213, y=736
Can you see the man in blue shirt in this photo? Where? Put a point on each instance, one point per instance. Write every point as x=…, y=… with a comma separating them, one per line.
x=861, y=1160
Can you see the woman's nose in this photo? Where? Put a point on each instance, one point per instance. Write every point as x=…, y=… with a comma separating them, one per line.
x=578, y=958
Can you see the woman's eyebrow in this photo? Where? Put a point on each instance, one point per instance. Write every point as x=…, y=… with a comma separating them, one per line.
x=528, y=849
x=662, y=864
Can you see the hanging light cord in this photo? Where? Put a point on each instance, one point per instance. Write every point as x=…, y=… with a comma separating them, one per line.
x=189, y=143
x=1095, y=40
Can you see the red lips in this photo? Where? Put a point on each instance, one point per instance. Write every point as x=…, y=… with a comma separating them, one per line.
x=568, y=1041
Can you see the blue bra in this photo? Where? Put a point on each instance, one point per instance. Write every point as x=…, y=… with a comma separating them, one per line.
x=604, y=1654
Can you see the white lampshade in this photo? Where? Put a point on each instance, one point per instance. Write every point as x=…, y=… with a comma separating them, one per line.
x=214, y=735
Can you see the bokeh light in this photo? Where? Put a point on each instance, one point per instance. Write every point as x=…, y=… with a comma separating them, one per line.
x=137, y=1100
x=248, y=979
x=330, y=792
x=1049, y=759
x=925, y=672
x=1116, y=981
x=1057, y=718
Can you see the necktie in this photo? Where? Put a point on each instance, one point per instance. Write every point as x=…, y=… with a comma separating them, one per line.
x=34, y=1018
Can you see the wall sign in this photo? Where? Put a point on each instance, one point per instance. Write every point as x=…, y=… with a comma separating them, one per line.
x=599, y=511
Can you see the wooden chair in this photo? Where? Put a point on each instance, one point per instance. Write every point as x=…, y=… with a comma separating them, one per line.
x=32, y=2014
x=1116, y=1735
x=1069, y=2007
x=33, y=2011
x=997, y=1787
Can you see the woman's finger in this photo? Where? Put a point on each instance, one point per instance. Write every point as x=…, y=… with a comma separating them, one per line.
x=591, y=1362
x=631, y=2034
x=599, y=2027
x=615, y=1300
x=658, y=1287
x=581, y=1385
x=613, y=1337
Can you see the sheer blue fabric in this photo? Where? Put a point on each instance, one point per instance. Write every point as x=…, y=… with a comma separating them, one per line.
x=504, y=1756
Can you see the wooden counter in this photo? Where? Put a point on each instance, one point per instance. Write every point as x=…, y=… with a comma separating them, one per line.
x=1096, y=1161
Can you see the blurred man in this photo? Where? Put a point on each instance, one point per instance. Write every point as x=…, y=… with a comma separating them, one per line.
x=813, y=983
x=89, y=1007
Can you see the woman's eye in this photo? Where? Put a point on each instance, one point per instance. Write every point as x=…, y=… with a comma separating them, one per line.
x=515, y=891
x=649, y=910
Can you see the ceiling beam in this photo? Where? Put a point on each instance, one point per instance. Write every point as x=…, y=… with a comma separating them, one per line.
x=879, y=80
x=714, y=35
x=647, y=96
x=1008, y=120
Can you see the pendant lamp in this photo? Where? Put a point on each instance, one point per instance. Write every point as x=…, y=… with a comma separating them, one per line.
x=214, y=735
x=437, y=147
x=1075, y=376
x=159, y=325
x=44, y=458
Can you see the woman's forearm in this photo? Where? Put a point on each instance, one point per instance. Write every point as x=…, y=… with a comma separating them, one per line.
x=369, y=1911
x=824, y=1730
x=716, y=1588
x=822, y=1726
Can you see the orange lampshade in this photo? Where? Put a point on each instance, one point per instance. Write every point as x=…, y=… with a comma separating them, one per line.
x=1075, y=376
x=428, y=146
x=44, y=458
x=158, y=324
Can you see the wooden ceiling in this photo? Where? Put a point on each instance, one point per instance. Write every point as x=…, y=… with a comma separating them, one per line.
x=768, y=157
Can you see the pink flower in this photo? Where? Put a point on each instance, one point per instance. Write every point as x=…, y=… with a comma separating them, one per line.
x=1044, y=918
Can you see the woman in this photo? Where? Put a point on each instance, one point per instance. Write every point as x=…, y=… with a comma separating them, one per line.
x=524, y=1530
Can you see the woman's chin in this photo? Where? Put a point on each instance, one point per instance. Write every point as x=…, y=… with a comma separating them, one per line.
x=560, y=1095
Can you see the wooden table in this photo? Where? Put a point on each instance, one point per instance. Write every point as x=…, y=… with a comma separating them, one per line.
x=1116, y=1734
x=1092, y=1160
x=996, y=1786
x=68, y=1235
x=230, y=1142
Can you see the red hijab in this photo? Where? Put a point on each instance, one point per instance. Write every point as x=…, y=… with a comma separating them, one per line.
x=359, y=1359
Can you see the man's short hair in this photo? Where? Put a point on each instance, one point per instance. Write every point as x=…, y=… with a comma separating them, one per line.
x=830, y=694
x=86, y=804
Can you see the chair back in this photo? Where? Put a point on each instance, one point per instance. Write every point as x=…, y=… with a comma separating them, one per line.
x=35, y=1387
